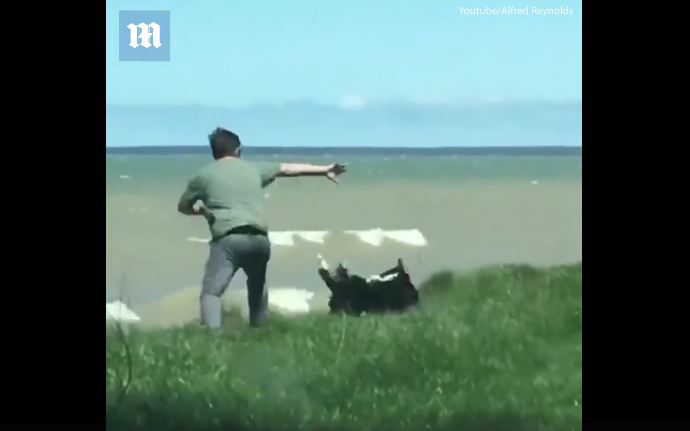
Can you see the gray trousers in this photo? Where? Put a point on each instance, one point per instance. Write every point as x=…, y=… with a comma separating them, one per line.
x=249, y=252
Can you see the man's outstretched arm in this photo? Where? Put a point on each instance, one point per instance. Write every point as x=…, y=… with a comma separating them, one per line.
x=304, y=169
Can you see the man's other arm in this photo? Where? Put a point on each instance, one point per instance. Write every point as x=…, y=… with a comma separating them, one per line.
x=191, y=196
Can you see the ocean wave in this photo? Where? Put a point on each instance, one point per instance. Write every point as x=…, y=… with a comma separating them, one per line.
x=409, y=236
x=183, y=306
x=282, y=238
x=119, y=312
x=373, y=237
x=317, y=236
x=376, y=236
x=197, y=239
x=290, y=299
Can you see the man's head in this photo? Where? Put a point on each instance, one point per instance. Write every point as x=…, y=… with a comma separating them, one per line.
x=224, y=143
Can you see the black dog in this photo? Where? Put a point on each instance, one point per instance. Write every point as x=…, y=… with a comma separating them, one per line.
x=392, y=290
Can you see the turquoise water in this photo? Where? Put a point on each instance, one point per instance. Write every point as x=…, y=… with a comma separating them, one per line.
x=473, y=210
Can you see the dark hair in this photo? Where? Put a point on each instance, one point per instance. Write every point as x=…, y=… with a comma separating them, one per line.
x=224, y=143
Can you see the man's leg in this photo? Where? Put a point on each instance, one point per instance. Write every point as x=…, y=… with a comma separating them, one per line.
x=254, y=266
x=217, y=276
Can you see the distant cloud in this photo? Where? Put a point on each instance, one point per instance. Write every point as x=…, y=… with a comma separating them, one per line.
x=352, y=101
x=427, y=101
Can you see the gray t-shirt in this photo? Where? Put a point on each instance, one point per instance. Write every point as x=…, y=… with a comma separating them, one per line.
x=231, y=192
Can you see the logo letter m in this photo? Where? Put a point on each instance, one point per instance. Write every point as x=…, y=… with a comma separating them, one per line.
x=146, y=32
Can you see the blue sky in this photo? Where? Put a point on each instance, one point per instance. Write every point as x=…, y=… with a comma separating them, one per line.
x=350, y=53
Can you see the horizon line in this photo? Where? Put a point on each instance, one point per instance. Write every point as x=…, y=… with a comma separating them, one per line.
x=337, y=105
x=355, y=146
x=517, y=150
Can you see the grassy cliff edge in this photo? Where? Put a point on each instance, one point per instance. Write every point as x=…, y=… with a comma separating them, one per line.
x=497, y=349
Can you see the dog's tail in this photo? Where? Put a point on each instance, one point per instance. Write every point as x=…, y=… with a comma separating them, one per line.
x=324, y=273
x=322, y=262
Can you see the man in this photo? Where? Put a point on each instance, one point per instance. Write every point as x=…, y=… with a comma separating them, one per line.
x=229, y=193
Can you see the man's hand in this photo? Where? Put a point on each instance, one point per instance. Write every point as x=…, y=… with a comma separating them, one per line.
x=190, y=197
x=200, y=209
x=335, y=170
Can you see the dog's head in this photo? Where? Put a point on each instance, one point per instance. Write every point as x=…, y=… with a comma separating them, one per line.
x=396, y=286
x=398, y=270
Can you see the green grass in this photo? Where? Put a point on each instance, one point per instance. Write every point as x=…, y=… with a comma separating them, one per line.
x=499, y=349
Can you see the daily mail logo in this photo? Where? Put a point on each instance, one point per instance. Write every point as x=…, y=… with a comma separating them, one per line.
x=144, y=35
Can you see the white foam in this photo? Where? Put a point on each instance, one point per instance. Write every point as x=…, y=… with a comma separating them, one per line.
x=277, y=238
x=375, y=236
x=371, y=236
x=410, y=237
x=119, y=311
x=287, y=238
x=317, y=236
x=534, y=182
x=125, y=177
x=196, y=239
x=282, y=238
x=290, y=299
